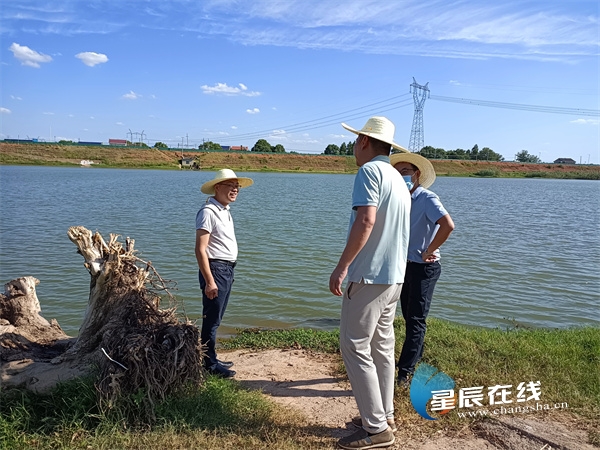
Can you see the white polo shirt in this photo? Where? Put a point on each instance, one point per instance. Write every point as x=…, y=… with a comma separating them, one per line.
x=216, y=219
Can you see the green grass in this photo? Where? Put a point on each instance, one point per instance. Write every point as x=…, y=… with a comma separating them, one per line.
x=567, y=362
x=259, y=339
x=222, y=414
x=565, y=175
x=487, y=173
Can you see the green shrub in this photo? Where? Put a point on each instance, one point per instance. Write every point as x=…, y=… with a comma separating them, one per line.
x=487, y=173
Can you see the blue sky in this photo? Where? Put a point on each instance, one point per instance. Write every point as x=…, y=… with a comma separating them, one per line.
x=289, y=72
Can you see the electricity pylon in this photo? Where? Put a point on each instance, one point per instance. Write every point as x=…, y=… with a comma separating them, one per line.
x=417, y=133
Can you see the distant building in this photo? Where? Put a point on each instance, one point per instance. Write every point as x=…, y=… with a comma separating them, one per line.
x=565, y=161
x=189, y=163
x=234, y=148
x=118, y=142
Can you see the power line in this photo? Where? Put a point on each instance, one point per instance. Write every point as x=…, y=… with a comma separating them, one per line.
x=362, y=111
x=386, y=105
x=522, y=107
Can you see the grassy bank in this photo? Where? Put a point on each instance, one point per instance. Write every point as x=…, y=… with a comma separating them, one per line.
x=151, y=158
x=222, y=414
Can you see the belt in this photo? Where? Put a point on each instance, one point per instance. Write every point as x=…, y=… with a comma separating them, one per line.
x=224, y=261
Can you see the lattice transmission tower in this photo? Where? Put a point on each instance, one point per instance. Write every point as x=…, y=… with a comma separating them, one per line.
x=417, y=133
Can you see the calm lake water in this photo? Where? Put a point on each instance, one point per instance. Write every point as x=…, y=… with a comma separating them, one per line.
x=525, y=251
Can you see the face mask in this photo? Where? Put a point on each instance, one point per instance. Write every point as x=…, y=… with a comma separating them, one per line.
x=408, y=181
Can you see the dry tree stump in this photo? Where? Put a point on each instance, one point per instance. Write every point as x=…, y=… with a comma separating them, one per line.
x=125, y=338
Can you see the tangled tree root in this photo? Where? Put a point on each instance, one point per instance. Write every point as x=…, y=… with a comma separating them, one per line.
x=139, y=348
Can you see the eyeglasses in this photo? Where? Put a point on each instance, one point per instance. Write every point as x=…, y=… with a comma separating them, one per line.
x=406, y=171
x=231, y=186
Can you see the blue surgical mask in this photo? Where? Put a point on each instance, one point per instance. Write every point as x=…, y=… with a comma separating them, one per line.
x=408, y=181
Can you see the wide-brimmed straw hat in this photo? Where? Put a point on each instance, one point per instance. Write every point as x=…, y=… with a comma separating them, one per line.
x=427, y=176
x=224, y=175
x=380, y=128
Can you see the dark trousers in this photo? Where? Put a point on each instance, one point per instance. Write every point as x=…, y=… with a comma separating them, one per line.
x=213, y=309
x=415, y=299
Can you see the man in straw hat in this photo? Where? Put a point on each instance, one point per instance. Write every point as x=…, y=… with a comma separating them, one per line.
x=374, y=260
x=216, y=253
x=430, y=226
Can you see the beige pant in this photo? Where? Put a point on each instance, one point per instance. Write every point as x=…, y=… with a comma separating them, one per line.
x=367, y=345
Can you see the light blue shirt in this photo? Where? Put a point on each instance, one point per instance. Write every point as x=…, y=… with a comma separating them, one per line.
x=426, y=210
x=383, y=258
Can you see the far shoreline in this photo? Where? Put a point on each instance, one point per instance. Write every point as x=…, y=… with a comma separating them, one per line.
x=55, y=155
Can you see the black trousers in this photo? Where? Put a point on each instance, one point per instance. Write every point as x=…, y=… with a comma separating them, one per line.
x=213, y=309
x=415, y=300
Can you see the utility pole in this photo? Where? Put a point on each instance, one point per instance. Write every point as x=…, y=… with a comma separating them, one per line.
x=417, y=133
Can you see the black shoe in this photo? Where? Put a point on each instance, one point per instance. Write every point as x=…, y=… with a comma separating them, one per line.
x=226, y=364
x=403, y=381
x=221, y=371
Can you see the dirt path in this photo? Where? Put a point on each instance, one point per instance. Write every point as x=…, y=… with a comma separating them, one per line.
x=307, y=383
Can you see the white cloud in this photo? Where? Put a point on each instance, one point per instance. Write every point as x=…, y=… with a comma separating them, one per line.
x=92, y=58
x=233, y=127
x=475, y=29
x=119, y=123
x=278, y=132
x=27, y=56
x=455, y=83
x=131, y=96
x=253, y=111
x=4, y=110
x=48, y=113
x=14, y=97
x=586, y=121
x=222, y=88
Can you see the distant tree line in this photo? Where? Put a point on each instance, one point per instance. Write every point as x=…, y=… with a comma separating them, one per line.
x=209, y=145
x=261, y=146
x=485, y=154
x=344, y=149
x=525, y=156
x=264, y=147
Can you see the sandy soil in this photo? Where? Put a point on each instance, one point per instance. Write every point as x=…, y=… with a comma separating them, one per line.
x=307, y=382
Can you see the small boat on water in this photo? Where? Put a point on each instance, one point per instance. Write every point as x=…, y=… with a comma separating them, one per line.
x=86, y=163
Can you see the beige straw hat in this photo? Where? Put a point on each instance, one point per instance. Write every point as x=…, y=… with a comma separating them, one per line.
x=427, y=176
x=380, y=128
x=224, y=175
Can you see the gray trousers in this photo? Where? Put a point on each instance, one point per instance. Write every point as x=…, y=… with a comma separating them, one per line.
x=367, y=346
